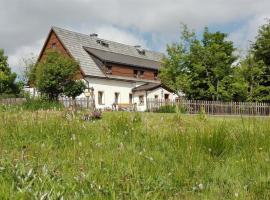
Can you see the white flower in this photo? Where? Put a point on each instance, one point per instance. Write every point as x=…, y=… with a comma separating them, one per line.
x=200, y=186
x=236, y=194
x=73, y=137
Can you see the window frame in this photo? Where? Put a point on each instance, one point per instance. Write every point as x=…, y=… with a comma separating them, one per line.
x=118, y=97
x=141, y=97
x=102, y=98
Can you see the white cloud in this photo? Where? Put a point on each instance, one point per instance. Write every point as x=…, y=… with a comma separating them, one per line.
x=245, y=35
x=118, y=35
x=24, y=22
x=16, y=59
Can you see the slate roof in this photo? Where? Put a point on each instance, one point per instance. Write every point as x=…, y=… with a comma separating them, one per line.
x=147, y=87
x=75, y=43
x=118, y=58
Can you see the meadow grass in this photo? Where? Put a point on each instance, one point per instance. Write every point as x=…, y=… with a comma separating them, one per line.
x=133, y=156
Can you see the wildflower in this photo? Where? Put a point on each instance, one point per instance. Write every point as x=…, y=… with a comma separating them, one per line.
x=200, y=186
x=260, y=149
x=73, y=137
x=121, y=146
x=236, y=194
x=98, y=144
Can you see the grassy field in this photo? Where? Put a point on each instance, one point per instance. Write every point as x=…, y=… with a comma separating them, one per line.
x=133, y=156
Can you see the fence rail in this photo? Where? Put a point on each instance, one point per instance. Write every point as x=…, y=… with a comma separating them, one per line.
x=12, y=101
x=213, y=107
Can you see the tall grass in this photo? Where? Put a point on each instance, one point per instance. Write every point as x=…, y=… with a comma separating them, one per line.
x=133, y=156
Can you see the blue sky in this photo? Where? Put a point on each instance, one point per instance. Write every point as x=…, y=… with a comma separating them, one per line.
x=150, y=23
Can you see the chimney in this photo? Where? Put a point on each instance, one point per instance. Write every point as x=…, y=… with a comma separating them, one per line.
x=93, y=35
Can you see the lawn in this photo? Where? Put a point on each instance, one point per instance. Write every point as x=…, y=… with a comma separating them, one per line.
x=133, y=156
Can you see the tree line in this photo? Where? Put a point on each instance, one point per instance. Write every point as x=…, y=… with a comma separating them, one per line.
x=209, y=69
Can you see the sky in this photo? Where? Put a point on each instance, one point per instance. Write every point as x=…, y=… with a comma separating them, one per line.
x=153, y=24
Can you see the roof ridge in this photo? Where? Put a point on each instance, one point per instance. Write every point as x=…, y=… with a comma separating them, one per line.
x=105, y=40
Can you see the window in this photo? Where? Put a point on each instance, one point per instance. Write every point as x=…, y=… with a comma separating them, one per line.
x=130, y=99
x=103, y=43
x=116, y=97
x=141, y=74
x=141, y=100
x=156, y=97
x=166, y=97
x=155, y=75
x=109, y=69
x=53, y=45
x=141, y=51
x=138, y=73
x=100, y=97
x=135, y=73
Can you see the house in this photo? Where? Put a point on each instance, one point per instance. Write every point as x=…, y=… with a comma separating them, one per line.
x=115, y=73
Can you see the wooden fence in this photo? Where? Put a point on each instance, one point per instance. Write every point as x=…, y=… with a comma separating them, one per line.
x=213, y=107
x=12, y=101
x=79, y=102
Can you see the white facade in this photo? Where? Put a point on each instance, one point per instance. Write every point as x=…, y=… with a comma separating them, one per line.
x=108, y=91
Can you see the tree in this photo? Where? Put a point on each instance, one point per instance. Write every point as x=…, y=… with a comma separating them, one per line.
x=249, y=73
x=7, y=78
x=261, y=51
x=29, y=73
x=202, y=69
x=55, y=75
x=74, y=89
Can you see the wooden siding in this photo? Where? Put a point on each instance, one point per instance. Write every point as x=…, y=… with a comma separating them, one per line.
x=127, y=71
x=53, y=40
x=58, y=46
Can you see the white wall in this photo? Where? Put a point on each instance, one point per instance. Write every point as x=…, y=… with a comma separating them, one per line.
x=160, y=92
x=109, y=88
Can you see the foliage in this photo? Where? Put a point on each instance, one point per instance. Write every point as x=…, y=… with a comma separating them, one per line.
x=29, y=74
x=157, y=157
x=171, y=109
x=202, y=69
x=8, y=86
x=41, y=104
x=74, y=88
x=261, y=51
x=55, y=73
x=261, y=47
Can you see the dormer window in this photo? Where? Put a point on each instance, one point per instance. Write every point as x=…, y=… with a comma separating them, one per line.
x=140, y=50
x=138, y=73
x=141, y=74
x=109, y=69
x=155, y=75
x=103, y=43
x=135, y=73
